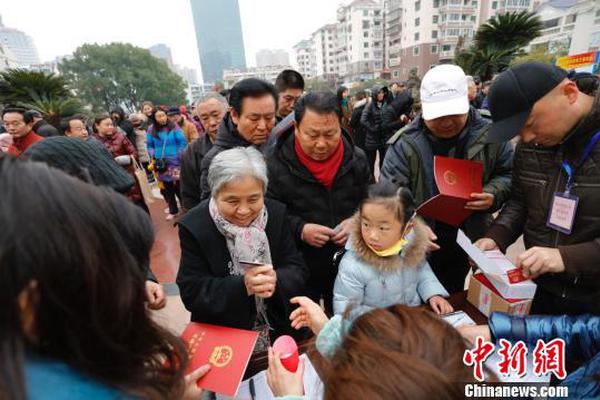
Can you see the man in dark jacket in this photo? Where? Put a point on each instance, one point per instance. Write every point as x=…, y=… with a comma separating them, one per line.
x=290, y=86
x=450, y=128
x=118, y=116
x=41, y=126
x=210, y=110
x=249, y=122
x=317, y=172
x=372, y=122
x=357, y=131
x=397, y=114
x=555, y=196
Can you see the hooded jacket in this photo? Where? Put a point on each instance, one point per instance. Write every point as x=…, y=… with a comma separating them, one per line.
x=228, y=137
x=372, y=119
x=366, y=281
x=124, y=124
x=402, y=104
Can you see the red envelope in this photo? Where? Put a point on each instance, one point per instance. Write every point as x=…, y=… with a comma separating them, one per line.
x=456, y=179
x=227, y=350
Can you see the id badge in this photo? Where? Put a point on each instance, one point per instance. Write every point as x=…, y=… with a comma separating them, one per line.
x=562, y=212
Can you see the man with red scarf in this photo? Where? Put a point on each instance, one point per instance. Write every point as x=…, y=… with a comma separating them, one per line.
x=321, y=177
x=20, y=127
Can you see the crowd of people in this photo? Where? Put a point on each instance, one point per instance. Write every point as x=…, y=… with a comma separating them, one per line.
x=296, y=214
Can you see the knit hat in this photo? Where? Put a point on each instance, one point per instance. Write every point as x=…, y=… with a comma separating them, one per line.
x=82, y=159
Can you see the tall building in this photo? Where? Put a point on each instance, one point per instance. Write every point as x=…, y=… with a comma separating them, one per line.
x=7, y=60
x=20, y=45
x=569, y=25
x=323, y=40
x=305, y=58
x=268, y=73
x=163, y=52
x=219, y=36
x=266, y=57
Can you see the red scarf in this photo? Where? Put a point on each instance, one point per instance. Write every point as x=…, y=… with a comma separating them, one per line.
x=20, y=145
x=323, y=171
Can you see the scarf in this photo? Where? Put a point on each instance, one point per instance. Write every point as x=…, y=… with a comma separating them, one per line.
x=249, y=244
x=19, y=145
x=323, y=171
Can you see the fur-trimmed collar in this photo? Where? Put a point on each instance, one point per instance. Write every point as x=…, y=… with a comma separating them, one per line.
x=411, y=256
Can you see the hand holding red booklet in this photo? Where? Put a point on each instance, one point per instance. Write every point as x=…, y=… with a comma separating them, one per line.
x=227, y=350
x=456, y=179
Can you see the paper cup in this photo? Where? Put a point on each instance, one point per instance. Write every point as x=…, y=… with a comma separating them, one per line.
x=288, y=350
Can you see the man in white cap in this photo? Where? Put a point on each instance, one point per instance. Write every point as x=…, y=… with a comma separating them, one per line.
x=449, y=127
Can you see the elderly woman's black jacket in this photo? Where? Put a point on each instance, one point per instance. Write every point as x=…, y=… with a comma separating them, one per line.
x=214, y=296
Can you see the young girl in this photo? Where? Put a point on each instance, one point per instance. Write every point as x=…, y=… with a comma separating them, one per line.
x=385, y=263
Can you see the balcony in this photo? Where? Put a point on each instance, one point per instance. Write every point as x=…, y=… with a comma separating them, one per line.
x=457, y=8
x=394, y=62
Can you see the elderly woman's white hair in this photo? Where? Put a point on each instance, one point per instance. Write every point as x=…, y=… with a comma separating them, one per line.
x=234, y=164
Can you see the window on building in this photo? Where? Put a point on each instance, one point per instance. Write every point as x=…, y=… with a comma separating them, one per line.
x=417, y=21
x=434, y=34
x=365, y=24
x=376, y=23
x=365, y=55
x=452, y=32
x=377, y=13
x=433, y=49
x=366, y=45
x=416, y=36
x=366, y=34
x=454, y=17
x=551, y=23
x=416, y=51
x=331, y=69
x=464, y=17
x=376, y=44
x=446, y=47
x=474, y=3
x=436, y=18
x=417, y=5
x=396, y=74
x=494, y=5
x=473, y=18
x=570, y=19
x=365, y=13
x=436, y=3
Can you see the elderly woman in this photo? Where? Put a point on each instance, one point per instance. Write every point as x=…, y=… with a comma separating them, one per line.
x=239, y=264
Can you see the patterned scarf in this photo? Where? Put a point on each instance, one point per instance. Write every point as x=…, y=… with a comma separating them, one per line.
x=247, y=244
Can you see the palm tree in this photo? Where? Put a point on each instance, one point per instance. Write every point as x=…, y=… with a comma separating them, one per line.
x=18, y=85
x=52, y=108
x=509, y=30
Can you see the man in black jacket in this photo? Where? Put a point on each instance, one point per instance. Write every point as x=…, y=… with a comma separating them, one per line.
x=290, y=86
x=317, y=172
x=358, y=132
x=210, y=110
x=41, y=126
x=249, y=122
x=397, y=114
x=118, y=116
x=371, y=121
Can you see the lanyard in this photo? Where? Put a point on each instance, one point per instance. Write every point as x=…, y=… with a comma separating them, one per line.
x=571, y=170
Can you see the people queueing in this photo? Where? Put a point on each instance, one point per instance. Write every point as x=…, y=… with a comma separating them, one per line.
x=556, y=161
x=321, y=177
x=210, y=110
x=239, y=264
x=166, y=144
x=189, y=130
x=449, y=127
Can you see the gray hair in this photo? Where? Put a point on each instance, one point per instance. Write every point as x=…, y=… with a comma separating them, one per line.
x=212, y=95
x=234, y=164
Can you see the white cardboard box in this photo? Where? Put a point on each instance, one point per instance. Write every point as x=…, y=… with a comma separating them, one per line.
x=496, y=267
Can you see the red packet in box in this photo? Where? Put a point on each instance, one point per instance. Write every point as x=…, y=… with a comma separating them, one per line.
x=227, y=350
x=456, y=179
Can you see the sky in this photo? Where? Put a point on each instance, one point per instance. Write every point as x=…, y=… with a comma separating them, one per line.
x=58, y=27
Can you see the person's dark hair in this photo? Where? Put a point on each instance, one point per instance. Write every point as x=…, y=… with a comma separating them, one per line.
x=340, y=94
x=289, y=79
x=27, y=118
x=155, y=128
x=400, y=353
x=65, y=123
x=319, y=102
x=251, y=87
x=99, y=118
x=586, y=82
x=360, y=95
x=487, y=84
x=87, y=296
x=396, y=198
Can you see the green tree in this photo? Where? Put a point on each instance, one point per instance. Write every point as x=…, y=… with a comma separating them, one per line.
x=120, y=74
x=498, y=42
x=316, y=84
x=19, y=85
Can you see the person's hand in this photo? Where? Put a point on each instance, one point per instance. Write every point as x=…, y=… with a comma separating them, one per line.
x=431, y=237
x=471, y=332
x=485, y=244
x=192, y=391
x=155, y=295
x=260, y=281
x=480, y=202
x=440, y=305
x=308, y=314
x=343, y=232
x=540, y=260
x=281, y=381
x=316, y=235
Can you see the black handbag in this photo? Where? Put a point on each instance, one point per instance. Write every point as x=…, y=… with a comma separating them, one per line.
x=161, y=164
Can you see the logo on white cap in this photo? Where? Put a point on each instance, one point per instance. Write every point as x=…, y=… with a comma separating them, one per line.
x=444, y=91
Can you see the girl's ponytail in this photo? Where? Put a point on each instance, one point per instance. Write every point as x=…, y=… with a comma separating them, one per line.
x=408, y=203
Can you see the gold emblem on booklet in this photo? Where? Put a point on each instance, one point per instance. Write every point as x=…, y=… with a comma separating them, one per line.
x=450, y=178
x=221, y=356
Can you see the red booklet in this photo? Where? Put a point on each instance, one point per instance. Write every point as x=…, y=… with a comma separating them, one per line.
x=456, y=179
x=227, y=350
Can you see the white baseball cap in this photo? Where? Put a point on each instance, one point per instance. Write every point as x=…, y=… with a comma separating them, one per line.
x=444, y=91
